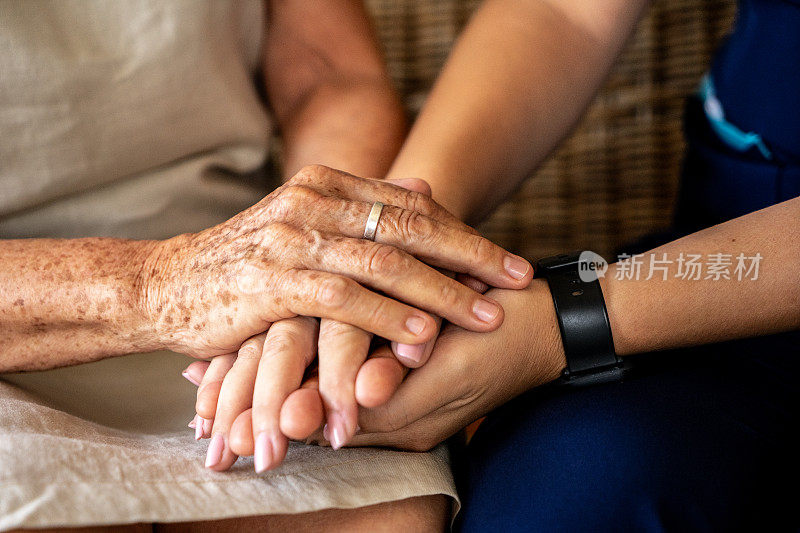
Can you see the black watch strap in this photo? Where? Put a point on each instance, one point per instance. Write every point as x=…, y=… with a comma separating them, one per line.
x=582, y=319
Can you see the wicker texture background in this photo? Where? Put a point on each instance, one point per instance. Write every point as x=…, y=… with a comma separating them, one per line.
x=616, y=177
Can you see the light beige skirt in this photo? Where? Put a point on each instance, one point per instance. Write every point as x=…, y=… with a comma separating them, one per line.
x=107, y=443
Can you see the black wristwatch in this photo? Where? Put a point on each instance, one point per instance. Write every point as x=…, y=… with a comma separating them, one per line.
x=582, y=319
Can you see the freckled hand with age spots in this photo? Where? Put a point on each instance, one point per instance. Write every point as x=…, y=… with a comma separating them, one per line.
x=299, y=252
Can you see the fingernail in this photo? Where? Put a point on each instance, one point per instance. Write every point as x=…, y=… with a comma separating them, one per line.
x=198, y=428
x=277, y=449
x=208, y=424
x=215, y=449
x=326, y=434
x=338, y=431
x=190, y=379
x=516, y=266
x=263, y=452
x=485, y=310
x=193, y=423
x=415, y=325
x=412, y=352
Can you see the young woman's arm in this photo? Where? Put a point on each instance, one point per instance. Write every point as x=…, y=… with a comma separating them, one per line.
x=470, y=374
x=517, y=81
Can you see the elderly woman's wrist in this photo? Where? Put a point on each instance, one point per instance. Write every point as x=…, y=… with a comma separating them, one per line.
x=148, y=296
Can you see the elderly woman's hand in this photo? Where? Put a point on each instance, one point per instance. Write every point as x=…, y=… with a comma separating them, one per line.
x=300, y=251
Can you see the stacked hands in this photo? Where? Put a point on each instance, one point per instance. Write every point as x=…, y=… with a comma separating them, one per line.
x=285, y=298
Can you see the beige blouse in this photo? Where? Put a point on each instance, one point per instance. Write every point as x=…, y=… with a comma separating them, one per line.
x=140, y=119
x=129, y=119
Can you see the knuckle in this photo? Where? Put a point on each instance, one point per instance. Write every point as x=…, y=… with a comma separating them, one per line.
x=379, y=313
x=412, y=225
x=383, y=258
x=420, y=203
x=334, y=328
x=279, y=343
x=292, y=200
x=249, y=350
x=481, y=248
x=310, y=174
x=320, y=246
x=449, y=295
x=334, y=291
x=275, y=233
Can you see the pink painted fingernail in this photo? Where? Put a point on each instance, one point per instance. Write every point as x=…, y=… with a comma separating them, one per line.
x=516, y=267
x=485, y=310
x=412, y=352
x=208, y=425
x=278, y=443
x=190, y=379
x=263, y=452
x=338, y=431
x=193, y=422
x=326, y=434
x=198, y=428
x=215, y=449
x=415, y=325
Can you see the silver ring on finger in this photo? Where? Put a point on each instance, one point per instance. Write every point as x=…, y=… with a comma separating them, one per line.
x=371, y=229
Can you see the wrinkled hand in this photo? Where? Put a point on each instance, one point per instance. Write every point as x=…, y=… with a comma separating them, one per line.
x=287, y=350
x=300, y=251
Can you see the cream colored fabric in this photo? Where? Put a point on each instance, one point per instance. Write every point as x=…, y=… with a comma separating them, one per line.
x=127, y=118
x=139, y=119
x=107, y=443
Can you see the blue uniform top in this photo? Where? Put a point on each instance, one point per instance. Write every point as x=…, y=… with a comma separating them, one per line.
x=757, y=72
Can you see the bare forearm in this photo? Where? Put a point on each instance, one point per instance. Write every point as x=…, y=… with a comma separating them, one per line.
x=654, y=314
x=329, y=88
x=357, y=127
x=65, y=301
x=516, y=82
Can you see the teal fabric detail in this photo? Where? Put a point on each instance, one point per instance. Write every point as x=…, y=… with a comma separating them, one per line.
x=728, y=133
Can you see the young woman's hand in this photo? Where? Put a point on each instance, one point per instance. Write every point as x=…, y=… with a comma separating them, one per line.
x=467, y=375
x=241, y=397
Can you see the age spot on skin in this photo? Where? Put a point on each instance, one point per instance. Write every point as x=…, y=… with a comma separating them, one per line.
x=226, y=298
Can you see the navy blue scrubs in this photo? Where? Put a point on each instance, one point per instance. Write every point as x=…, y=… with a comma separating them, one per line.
x=698, y=439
